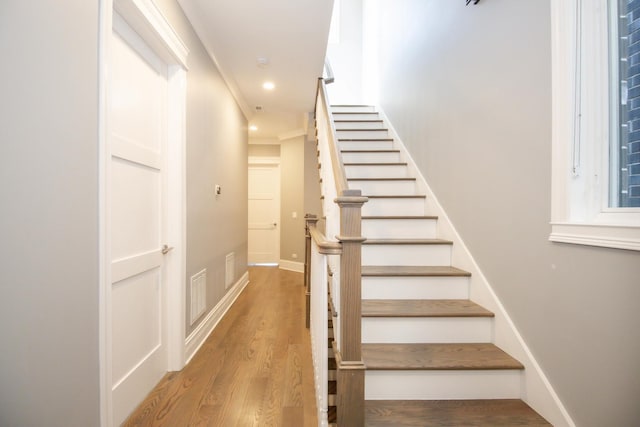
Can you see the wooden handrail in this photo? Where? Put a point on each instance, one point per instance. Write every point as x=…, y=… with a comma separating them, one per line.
x=339, y=174
x=325, y=246
x=329, y=71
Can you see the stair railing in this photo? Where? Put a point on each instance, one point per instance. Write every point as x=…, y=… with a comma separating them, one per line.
x=342, y=290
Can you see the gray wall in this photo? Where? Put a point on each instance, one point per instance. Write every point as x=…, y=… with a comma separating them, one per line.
x=49, y=214
x=292, y=199
x=469, y=91
x=312, y=204
x=217, y=141
x=346, y=56
x=49, y=193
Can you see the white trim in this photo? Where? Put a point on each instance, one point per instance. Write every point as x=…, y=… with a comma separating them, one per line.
x=200, y=26
x=296, y=266
x=264, y=141
x=257, y=161
x=292, y=134
x=127, y=267
x=148, y=22
x=579, y=212
x=104, y=261
x=145, y=18
x=608, y=236
x=536, y=388
x=176, y=233
x=196, y=339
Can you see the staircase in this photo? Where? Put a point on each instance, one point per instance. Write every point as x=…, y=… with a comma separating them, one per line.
x=427, y=348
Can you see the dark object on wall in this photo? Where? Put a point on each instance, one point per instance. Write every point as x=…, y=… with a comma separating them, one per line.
x=474, y=2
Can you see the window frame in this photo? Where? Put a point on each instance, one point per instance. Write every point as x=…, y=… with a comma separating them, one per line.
x=581, y=132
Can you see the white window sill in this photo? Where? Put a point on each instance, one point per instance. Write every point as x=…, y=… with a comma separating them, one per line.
x=607, y=236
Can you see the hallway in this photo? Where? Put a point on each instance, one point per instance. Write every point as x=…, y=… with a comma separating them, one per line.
x=254, y=369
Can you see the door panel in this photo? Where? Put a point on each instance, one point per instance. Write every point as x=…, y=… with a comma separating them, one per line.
x=136, y=320
x=137, y=136
x=136, y=200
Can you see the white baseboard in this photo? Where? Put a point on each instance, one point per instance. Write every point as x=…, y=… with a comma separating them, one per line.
x=292, y=265
x=200, y=334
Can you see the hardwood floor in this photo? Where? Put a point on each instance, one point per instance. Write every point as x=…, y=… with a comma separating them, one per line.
x=254, y=370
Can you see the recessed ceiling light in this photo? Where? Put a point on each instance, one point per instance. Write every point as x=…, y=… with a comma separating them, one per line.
x=253, y=128
x=268, y=85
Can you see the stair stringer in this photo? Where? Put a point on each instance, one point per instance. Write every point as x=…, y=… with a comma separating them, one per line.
x=536, y=391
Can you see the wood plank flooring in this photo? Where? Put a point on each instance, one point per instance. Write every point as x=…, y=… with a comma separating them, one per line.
x=254, y=370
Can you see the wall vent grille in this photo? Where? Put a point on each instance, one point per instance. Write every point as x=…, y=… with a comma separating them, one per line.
x=198, y=295
x=230, y=270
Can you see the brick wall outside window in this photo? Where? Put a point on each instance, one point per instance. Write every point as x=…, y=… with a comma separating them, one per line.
x=630, y=157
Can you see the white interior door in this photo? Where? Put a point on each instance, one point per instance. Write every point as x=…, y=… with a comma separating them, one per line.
x=137, y=135
x=264, y=214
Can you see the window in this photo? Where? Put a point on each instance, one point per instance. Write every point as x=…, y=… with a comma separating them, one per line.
x=596, y=123
x=624, y=176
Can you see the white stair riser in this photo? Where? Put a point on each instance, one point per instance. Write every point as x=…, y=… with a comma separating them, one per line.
x=351, y=108
x=357, y=124
x=430, y=255
x=366, y=157
x=355, y=116
x=366, y=145
x=422, y=385
x=382, y=188
x=399, y=228
x=373, y=134
x=383, y=330
x=368, y=171
x=448, y=287
x=394, y=206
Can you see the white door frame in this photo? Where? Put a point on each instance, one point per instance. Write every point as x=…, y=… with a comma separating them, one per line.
x=274, y=162
x=145, y=18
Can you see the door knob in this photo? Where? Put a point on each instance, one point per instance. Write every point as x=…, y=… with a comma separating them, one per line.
x=166, y=249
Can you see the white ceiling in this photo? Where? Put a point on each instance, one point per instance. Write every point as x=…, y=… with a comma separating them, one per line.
x=292, y=34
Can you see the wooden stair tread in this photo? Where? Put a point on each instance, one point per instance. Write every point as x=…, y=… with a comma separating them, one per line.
x=353, y=112
x=400, y=217
x=407, y=242
x=357, y=121
x=370, y=151
x=365, y=139
x=365, y=130
x=465, y=356
x=412, y=270
x=439, y=413
x=423, y=308
x=398, y=196
x=381, y=179
x=376, y=164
